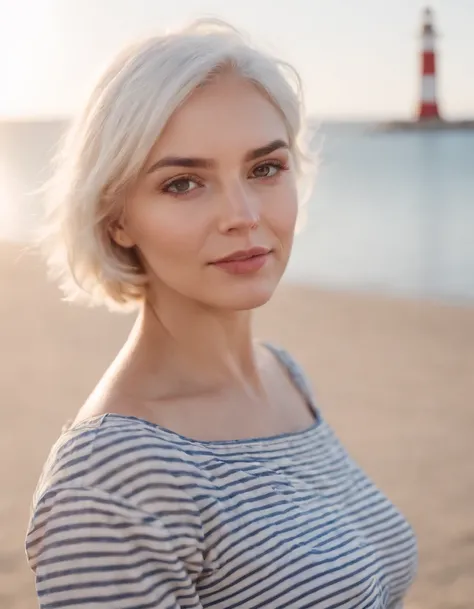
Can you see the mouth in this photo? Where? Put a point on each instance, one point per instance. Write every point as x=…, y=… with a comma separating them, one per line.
x=244, y=261
x=244, y=254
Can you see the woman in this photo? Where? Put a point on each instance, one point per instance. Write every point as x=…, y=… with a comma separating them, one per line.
x=200, y=472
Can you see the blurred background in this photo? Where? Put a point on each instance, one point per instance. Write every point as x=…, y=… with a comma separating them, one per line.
x=378, y=299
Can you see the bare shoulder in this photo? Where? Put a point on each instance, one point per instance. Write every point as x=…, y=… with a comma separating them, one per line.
x=102, y=401
x=282, y=360
x=112, y=395
x=284, y=364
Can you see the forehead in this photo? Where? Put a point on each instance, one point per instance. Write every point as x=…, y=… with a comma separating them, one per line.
x=226, y=117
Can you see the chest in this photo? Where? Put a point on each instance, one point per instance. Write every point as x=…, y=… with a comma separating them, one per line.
x=302, y=531
x=236, y=416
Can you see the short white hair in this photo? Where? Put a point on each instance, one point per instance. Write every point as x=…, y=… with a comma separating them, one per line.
x=108, y=144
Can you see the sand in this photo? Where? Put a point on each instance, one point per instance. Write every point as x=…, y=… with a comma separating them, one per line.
x=394, y=377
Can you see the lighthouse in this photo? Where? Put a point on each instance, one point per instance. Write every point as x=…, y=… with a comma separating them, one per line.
x=427, y=116
x=428, y=107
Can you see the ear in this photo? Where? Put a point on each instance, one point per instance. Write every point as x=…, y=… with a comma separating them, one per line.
x=121, y=237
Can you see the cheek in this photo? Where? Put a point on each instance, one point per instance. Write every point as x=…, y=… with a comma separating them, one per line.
x=165, y=232
x=282, y=211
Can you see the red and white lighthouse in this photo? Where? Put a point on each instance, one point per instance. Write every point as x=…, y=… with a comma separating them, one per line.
x=428, y=108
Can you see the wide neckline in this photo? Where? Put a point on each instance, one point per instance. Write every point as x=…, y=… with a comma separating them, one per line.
x=275, y=438
x=296, y=377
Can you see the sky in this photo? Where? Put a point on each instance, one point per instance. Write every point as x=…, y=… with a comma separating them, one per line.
x=359, y=59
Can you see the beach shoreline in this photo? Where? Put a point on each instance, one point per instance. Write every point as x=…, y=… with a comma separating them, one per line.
x=393, y=376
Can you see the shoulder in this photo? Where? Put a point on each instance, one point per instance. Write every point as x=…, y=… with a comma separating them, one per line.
x=113, y=497
x=120, y=456
x=294, y=369
x=110, y=474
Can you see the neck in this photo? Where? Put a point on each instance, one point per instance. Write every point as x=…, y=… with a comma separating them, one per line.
x=194, y=348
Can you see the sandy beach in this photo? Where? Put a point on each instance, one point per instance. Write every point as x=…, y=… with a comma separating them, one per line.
x=395, y=378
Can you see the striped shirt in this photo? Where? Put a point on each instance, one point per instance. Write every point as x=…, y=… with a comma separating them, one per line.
x=130, y=515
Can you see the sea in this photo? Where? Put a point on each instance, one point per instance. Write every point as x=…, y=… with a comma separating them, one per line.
x=389, y=212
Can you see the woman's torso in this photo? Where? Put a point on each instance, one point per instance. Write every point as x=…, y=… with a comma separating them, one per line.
x=284, y=521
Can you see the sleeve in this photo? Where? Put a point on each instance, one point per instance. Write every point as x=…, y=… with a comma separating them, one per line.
x=91, y=550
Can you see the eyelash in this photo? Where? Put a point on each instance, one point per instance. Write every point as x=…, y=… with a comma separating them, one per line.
x=165, y=188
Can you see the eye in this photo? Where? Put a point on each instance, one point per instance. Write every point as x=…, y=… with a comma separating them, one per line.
x=267, y=169
x=181, y=186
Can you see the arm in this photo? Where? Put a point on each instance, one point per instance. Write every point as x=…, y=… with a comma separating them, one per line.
x=92, y=550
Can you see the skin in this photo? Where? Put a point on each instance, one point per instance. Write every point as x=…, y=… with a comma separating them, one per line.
x=190, y=363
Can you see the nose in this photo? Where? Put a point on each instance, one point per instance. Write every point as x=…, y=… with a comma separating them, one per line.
x=239, y=209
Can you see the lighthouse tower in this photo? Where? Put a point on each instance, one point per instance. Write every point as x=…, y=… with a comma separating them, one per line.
x=428, y=108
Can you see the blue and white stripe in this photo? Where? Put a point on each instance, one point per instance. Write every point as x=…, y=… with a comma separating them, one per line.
x=129, y=515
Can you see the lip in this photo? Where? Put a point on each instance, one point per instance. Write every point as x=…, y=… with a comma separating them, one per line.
x=244, y=254
x=242, y=262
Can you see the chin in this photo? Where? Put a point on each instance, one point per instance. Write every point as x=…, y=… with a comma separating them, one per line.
x=245, y=298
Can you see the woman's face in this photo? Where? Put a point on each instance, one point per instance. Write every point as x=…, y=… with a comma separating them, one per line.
x=218, y=184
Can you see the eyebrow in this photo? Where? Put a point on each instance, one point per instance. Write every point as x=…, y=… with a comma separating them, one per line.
x=190, y=162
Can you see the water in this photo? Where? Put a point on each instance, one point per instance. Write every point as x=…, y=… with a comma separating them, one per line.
x=390, y=213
